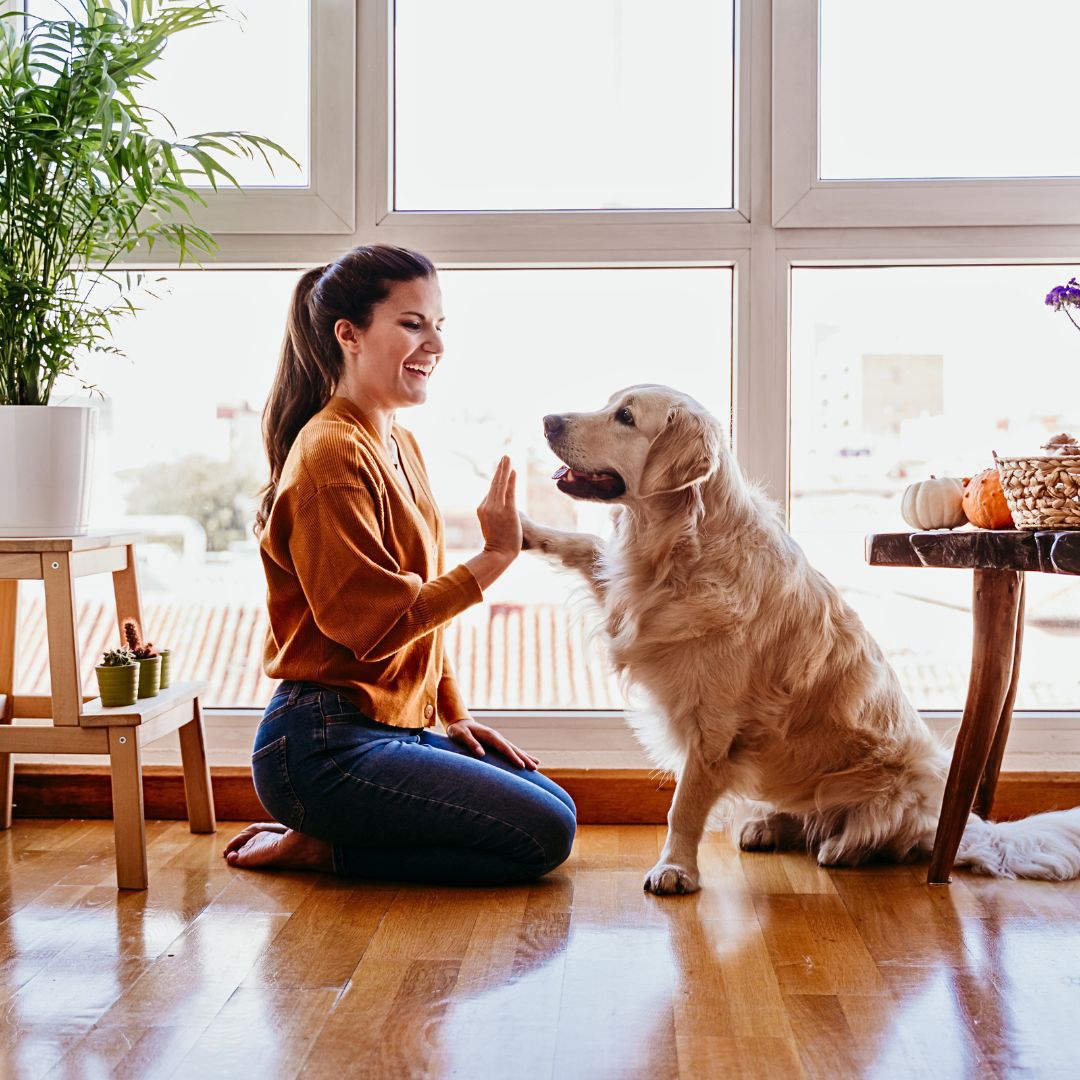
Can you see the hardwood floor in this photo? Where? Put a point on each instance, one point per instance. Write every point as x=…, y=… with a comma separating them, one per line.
x=776, y=969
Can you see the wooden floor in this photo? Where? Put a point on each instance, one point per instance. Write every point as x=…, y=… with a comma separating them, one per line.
x=777, y=969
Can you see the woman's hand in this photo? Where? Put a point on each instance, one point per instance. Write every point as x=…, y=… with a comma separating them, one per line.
x=475, y=736
x=498, y=512
x=500, y=525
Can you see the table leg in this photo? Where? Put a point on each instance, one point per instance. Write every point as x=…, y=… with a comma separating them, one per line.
x=129, y=822
x=61, y=622
x=984, y=799
x=197, y=788
x=9, y=619
x=995, y=606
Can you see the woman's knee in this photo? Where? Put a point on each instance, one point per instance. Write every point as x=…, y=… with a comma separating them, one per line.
x=555, y=836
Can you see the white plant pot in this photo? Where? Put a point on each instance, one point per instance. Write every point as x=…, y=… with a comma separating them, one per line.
x=46, y=459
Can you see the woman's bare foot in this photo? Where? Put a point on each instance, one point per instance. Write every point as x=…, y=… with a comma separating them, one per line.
x=268, y=845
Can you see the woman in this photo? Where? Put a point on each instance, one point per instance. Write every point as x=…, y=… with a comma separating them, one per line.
x=352, y=547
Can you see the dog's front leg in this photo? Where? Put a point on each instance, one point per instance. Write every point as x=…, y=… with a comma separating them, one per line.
x=695, y=793
x=576, y=551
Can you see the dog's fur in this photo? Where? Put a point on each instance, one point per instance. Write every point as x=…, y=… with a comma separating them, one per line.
x=763, y=683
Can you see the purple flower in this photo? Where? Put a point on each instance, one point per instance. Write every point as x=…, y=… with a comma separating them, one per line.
x=1063, y=297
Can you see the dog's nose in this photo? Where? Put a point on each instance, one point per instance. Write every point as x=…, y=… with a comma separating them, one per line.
x=553, y=425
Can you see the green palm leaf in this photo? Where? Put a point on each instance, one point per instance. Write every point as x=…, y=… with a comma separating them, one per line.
x=85, y=181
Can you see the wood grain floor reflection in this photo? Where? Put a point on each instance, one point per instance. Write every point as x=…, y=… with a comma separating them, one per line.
x=777, y=969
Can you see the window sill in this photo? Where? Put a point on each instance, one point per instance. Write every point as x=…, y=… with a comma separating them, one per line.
x=1038, y=741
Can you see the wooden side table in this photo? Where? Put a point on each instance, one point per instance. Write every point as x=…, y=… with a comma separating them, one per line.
x=63, y=722
x=999, y=559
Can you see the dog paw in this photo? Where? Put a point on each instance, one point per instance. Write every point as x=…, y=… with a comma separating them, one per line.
x=530, y=533
x=831, y=853
x=759, y=835
x=667, y=879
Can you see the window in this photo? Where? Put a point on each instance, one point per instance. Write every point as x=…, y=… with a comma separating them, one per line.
x=179, y=459
x=508, y=364
x=280, y=68
x=186, y=476
x=921, y=114
x=985, y=101
x=857, y=293
x=893, y=380
x=617, y=105
x=254, y=75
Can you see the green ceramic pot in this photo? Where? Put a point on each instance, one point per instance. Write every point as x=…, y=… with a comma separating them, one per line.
x=149, y=676
x=165, y=654
x=117, y=684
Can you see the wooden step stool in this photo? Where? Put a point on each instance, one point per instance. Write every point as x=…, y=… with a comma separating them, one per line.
x=65, y=723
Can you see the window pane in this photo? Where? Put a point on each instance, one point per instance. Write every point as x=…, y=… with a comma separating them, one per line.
x=900, y=373
x=520, y=344
x=611, y=104
x=928, y=89
x=246, y=72
x=179, y=457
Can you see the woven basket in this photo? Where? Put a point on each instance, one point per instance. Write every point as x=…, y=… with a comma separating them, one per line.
x=1042, y=492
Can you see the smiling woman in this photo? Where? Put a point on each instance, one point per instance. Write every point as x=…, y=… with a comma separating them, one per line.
x=358, y=598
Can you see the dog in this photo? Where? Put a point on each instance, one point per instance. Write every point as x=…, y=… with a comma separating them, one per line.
x=761, y=682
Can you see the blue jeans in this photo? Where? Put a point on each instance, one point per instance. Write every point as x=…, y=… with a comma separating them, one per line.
x=404, y=804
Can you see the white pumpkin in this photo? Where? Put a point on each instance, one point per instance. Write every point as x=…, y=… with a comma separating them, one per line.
x=934, y=504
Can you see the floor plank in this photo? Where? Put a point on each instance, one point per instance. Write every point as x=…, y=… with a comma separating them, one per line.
x=777, y=968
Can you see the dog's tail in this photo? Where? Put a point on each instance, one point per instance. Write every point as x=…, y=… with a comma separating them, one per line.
x=1044, y=846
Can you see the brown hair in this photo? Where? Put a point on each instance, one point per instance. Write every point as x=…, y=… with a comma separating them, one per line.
x=311, y=361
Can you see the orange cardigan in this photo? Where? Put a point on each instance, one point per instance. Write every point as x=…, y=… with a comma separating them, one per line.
x=356, y=591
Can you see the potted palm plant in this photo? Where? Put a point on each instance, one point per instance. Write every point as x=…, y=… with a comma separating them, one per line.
x=84, y=181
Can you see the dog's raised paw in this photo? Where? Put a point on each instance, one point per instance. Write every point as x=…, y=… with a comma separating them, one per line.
x=667, y=879
x=530, y=534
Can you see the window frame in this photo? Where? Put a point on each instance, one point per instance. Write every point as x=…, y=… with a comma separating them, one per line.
x=783, y=219
x=326, y=205
x=536, y=236
x=802, y=199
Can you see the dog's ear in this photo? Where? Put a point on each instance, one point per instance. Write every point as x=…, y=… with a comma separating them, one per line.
x=684, y=453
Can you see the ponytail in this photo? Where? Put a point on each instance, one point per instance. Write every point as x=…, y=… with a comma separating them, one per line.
x=310, y=364
x=302, y=385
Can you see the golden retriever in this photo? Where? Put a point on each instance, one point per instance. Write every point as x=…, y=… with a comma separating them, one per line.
x=761, y=681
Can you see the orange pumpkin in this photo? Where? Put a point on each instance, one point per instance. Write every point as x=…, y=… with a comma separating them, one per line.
x=984, y=501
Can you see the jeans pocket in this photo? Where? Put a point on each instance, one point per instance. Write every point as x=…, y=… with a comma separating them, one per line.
x=270, y=771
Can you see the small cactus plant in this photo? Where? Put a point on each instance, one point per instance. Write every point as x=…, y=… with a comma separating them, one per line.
x=120, y=657
x=135, y=643
x=118, y=678
x=149, y=659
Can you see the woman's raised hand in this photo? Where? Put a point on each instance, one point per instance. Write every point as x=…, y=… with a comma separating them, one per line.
x=500, y=525
x=498, y=513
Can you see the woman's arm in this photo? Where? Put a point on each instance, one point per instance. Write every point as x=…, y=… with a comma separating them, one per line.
x=449, y=701
x=358, y=594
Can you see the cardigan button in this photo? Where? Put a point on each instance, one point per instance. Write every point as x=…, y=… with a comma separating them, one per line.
x=429, y=711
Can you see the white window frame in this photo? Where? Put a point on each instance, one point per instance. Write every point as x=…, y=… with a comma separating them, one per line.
x=802, y=199
x=783, y=219
x=535, y=237
x=326, y=205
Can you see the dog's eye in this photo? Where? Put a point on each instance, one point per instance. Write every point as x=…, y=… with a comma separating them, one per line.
x=625, y=416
